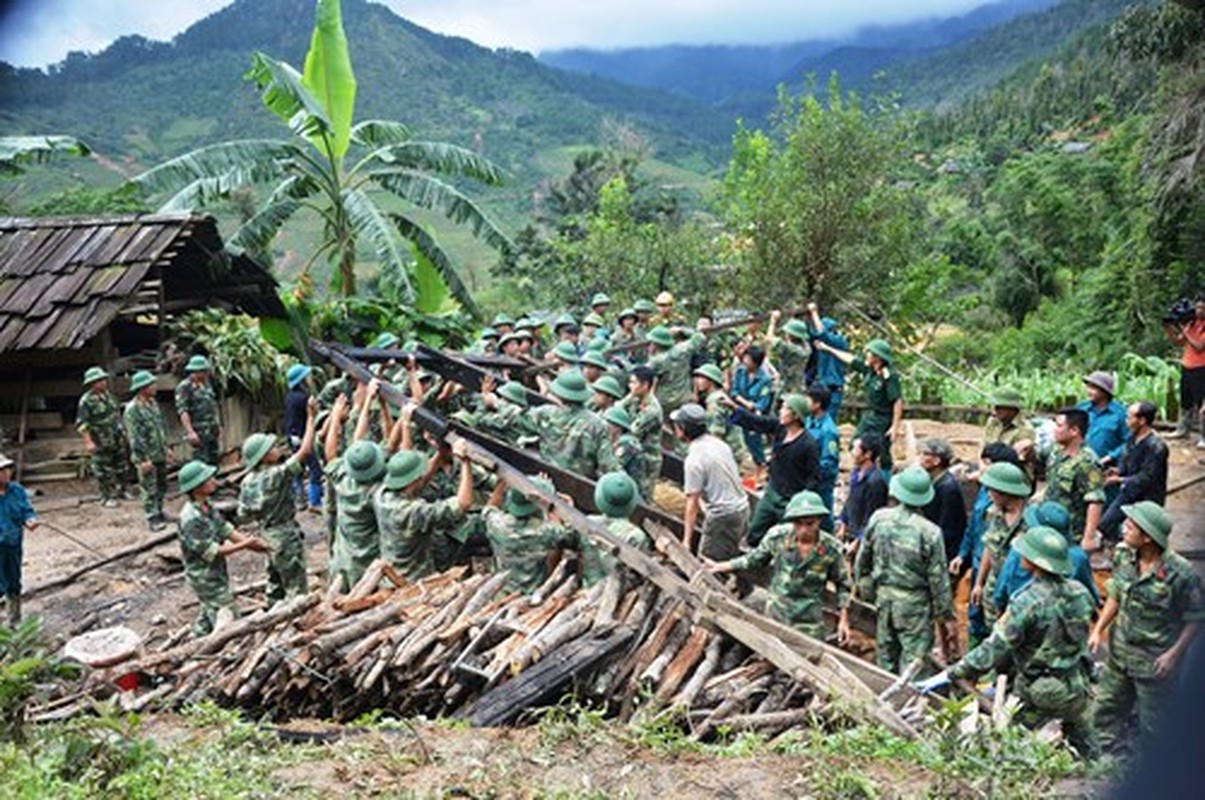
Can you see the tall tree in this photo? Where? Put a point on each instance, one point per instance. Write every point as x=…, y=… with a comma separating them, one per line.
x=364, y=181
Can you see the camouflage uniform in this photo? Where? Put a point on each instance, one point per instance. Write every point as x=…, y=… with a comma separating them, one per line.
x=202, y=531
x=672, y=367
x=146, y=431
x=201, y=404
x=1019, y=430
x=790, y=360
x=507, y=422
x=357, y=542
x=523, y=546
x=99, y=415
x=632, y=460
x=332, y=389
x=717, y=424
x=1152, y=612
x=998, y=537
x=901, y=567
x=1043, y=638
x=409, y=529
x=574, y=439
x=1074, y=482
x=647, y=419
x=797, y=584
x=268, y=496
x=598, y=563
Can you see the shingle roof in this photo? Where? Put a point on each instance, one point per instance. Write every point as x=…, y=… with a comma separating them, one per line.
x=63, y=279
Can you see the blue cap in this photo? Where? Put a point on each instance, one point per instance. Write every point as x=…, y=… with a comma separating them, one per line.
x=297, y=373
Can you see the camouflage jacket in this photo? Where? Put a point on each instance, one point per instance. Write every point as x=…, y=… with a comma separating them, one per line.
x=1019, y=430
x=99, y=415
x=596, y=562
x=507, y=422
x=200, y=403
x=717, y=423
x=647, y=420
x=1075, y=481
x=998, y=537
x=267, y=495
x=523, y=547
x=1043, y=635
x=1152, y=609
x=357, y=541
x=407, y=525
x=202, y=531
x=797, y=585
x=574, y=438
x=146, y=431
x=632, y=460
x=673, y=371
x=903, y=557
x=790, y=360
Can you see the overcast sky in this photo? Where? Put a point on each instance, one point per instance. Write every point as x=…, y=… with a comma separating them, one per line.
x=41, y=32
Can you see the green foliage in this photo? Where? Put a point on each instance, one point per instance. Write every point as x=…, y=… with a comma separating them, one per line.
x=18, y=152
x=235, y=345
x=26, y=668
x=88, y=200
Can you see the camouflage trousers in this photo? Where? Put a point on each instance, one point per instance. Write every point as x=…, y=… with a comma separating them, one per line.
x=648, y=484
x=109, y=467
x=1120, y=696
x=216, y=601
x=286, y=563
x=1074, y=715
x=152, y=488
x=208, y=449
x=904, y=633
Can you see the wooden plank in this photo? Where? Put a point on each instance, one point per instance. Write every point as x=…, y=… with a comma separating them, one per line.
x=23, y=425
x=34, y=420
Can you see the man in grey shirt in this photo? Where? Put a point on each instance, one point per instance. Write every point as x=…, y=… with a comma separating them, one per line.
x=713, y=483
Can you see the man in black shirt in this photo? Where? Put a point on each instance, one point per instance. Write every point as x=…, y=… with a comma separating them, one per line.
x=1142, y=472
x=296, y=401
x=947, y=508
x=867, y=488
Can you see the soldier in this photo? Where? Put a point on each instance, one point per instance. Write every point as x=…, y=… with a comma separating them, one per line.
x=789, y=352
x=267, y=498
x=297, y=402
x=884, y=412
x=523, y=542
x=628, y=450
x=901, y=568
x=16, y=517
x=616, y=496
x=1013, y=578
x=671, y=364
x=197, y=406
x=1042, y=639
x=712, y=483
x=594, y=364
x=805, y=558
x=566, y=355
x=1008, y=488
x=625, y=330
x=593, y=327
x=99, y=422
x=205, y=541
x=647, y=418
x=607, y=392
x=1154, y=607
x=571, y=436
x=407, y=523
x=666, y=315
x=146, y=431
x=352, y=478
x=1008, y=425
x=822, y=426
x=505, y=415
x=644, y=314
x=829, y=372
x=709, y=389
x=599, y=304
x=503, y=323
x=1073, y=478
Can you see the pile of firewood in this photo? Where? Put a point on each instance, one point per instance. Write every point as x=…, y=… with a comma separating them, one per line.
x=459, y=645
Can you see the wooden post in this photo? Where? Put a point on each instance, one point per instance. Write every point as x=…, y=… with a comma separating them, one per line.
x=23, y=425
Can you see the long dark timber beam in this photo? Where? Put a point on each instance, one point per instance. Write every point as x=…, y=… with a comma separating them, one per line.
x=826, y=669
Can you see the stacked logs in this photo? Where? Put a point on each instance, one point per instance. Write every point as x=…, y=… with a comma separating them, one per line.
x=459, y=644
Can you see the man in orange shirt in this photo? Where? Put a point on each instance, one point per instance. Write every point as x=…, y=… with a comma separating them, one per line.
x=1191, y=336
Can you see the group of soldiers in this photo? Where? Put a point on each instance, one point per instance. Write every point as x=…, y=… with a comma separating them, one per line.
x=753, y=414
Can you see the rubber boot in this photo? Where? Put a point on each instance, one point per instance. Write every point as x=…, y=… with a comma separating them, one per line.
x=13, y=603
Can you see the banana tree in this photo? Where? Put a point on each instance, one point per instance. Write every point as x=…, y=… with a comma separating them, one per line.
x=17, y=152
x=364, y=180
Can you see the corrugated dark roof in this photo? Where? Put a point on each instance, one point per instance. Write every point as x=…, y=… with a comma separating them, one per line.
x=63, y=279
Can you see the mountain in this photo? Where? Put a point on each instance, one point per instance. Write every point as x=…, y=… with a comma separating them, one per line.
x=142, y=100
x=721, y=75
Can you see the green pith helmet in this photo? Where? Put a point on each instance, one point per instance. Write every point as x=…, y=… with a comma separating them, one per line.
x=385, y=341
x=562, y=321
x=660, y=336
x=1008, y=398
x=880, y=348
x=619, y=417
x=1152, y=519
x=616, y=495
x=1049, y=514
x=798, y=405
x=502, y=320
x=627, y=313
x=193, y=474
x=795, y=329
x=1045, y=548
x=599, y=299
x=256, y=447
x=511, y=337
x=643, y=306
x=594, y=319
x=518, y=504
x=571, y=387
x=594, y=358
x=404, y=468
x=1007, y=478
x=609, y=386
x=488, y=333
x=711, y=372
x=365, y=462
x=514, y=392
x=141, y=379
x=94, y=374
x=198, y=364
x=805, y=504
x=565, y=351
x=912, y=487
x=598, y=344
